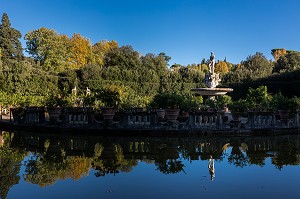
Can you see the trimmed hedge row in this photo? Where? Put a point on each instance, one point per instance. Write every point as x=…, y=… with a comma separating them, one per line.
x=286, y=83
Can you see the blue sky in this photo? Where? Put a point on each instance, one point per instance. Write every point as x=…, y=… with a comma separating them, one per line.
x=186, y=30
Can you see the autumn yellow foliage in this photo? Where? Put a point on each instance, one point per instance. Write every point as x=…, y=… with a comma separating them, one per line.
x=278, y=53
x=80, y=50
x=221, y=67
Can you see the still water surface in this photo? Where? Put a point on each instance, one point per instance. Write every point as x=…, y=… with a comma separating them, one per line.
x=41, y=165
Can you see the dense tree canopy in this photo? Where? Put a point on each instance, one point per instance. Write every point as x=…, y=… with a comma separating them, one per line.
x=48, y=48
x=288, y=62
x=11, y=48
x=59, y=63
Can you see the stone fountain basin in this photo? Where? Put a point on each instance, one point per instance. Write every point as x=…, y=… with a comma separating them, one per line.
x=211, y=91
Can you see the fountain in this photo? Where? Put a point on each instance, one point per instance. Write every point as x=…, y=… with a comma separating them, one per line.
x=212, y=80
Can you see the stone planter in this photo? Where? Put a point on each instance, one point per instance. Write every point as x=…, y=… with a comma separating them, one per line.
x=284, y=115
x=172, y=114
x=236, y=116
x=108, y=113
x=160, y=113
x=18, y=115
x=139, y=110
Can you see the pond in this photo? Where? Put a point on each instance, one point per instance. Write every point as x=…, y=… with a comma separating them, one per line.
x=43, y=165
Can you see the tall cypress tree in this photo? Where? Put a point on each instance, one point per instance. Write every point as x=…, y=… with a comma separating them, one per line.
x=9, y=41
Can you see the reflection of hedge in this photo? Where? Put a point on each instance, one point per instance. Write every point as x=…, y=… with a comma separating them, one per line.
x=287, y=83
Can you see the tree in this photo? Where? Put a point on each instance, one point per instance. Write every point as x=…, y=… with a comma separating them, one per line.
x=125, y=57
x=288, y=62
x=158, y=63
x=258, y=66
x=9, y=41
x=259, y=97
x=49, y=48
x=221, y=67
x=80, y=51
x=277, y=53
x=0, y=58
x=10, y=164
x=101, y=48
x=91, y=76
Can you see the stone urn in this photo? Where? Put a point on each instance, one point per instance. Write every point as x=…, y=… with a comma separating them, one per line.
x=160, y=113
x=172, y=114
x=18, y=115
x=108, y=113
x=284, y=115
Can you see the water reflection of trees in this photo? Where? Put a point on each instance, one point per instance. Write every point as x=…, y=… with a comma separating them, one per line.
x=57, y=157
x=167, y=159
x=287, y=153
x=112, y=161
x=10, y=163
x=238, y=156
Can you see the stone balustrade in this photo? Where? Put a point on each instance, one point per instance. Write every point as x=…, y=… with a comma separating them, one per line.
x=76, y=116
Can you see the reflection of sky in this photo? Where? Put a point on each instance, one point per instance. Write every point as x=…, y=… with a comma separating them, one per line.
x=145, y=181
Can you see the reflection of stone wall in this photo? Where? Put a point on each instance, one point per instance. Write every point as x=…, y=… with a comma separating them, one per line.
x=152, y=148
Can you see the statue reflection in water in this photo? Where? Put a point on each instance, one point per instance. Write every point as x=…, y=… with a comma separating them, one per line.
x=211, y=168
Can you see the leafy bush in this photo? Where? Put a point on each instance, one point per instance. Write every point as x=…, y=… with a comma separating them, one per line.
x=280, y=102
x=240, y=105
x=167, y=100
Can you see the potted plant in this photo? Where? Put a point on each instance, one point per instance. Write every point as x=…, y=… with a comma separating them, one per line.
x=258, y=99
x=17, y=107
x=237, y=108
x=170, y=102
x=283, y=106
x=55, y=105
x=18, y=114
x=108, y=100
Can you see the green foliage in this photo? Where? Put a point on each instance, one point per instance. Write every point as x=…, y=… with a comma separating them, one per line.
x=57, y=101
x=58, y=64
x=239, y=106
x=258, y=98
x=9, y=41
x=280, y=102
x=296, y=102
x=222, y=101
x=10, y=164
x=19, y=100
x=254, y=67
x=167, y=100
x=125, y=57
x=100, y=49
x=288, y=62
x=110, y=98
x=191, y=102
x=218, y=102
x=48, y=48
x=67, y=81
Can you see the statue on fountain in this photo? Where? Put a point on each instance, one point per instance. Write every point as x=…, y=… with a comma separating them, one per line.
x=212, y=79
x=212, y=63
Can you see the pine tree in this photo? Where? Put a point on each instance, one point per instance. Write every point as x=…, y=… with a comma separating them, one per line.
x=9, y=41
